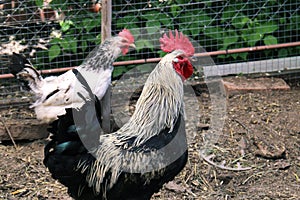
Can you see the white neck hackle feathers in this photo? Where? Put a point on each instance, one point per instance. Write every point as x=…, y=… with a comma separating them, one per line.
x=159, y=105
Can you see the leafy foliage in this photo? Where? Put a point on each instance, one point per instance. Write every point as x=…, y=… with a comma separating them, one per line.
x=215, y=25
x=219, y=25
x=76, y=34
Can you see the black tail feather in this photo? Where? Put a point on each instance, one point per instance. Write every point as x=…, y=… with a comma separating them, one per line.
x=18, y=63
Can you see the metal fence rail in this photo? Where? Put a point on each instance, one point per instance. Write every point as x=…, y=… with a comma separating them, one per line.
x=58, y=34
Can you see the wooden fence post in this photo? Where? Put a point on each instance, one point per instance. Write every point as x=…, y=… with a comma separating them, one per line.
x=106, y=33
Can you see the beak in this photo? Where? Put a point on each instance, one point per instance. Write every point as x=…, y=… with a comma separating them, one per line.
x=132, y=46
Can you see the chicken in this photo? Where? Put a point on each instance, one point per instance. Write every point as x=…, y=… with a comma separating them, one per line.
x=146, y=152
x=55, y=93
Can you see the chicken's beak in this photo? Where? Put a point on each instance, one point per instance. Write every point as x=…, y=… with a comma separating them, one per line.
x=132, y=46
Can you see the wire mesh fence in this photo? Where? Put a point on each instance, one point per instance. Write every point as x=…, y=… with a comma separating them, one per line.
x=52, y=34
x=219, y=25
x=56, y=34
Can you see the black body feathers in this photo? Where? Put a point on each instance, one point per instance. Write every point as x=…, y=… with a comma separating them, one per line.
x=66, y=151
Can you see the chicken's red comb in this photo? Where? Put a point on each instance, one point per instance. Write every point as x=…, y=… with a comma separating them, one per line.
x=126, y=34
x=180, y=41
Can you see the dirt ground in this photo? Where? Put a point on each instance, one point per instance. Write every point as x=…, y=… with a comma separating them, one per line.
x=261, y=131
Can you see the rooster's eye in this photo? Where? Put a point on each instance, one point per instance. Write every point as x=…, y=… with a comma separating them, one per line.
x=177, y=59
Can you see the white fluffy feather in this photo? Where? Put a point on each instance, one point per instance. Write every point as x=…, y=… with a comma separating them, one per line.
x=55, y=93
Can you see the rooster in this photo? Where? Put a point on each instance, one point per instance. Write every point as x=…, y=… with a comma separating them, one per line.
x=135, y=161
x=55, y=93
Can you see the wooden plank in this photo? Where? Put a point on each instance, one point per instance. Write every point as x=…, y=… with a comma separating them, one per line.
x=239, y=85
x=106, y=33
x=23, y=129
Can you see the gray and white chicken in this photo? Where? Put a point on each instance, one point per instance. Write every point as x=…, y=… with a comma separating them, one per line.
x=54, y=94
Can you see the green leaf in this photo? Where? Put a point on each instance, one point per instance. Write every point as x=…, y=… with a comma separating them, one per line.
x=140, y=44
x=88, y=24
x=175, y=9
x=243, y=55
x=228, y=14
x=164, y=19
x=73, y=44
x=69, y=44
x=270, y=39
x=65, y=25
x=203, y=19
x=119, y=71
x=150, y=16
x=240, y=21
x=223, y=56
x=234, y=56
x=55, y=41
x=195, y=30
x=213, y=32
x=65, y=44
x=84, y=45
x=186, y=19
x=195, y=22
x=136, y=32
x=90, y=38
x=282, y=53
x=282, y=20
x=295, y=21
x=53, y=52
x=265, y=28
x=268, y=53
x=128, y=21
x=98, y=39
x=56, y=4
x=161, y=53
x=252, y=38
x=152, y=27
x=230, y=37
x=39, y=3
x=196, y=19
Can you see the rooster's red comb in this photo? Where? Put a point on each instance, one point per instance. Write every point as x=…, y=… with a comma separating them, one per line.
x=180, y=41
x=126, y=34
